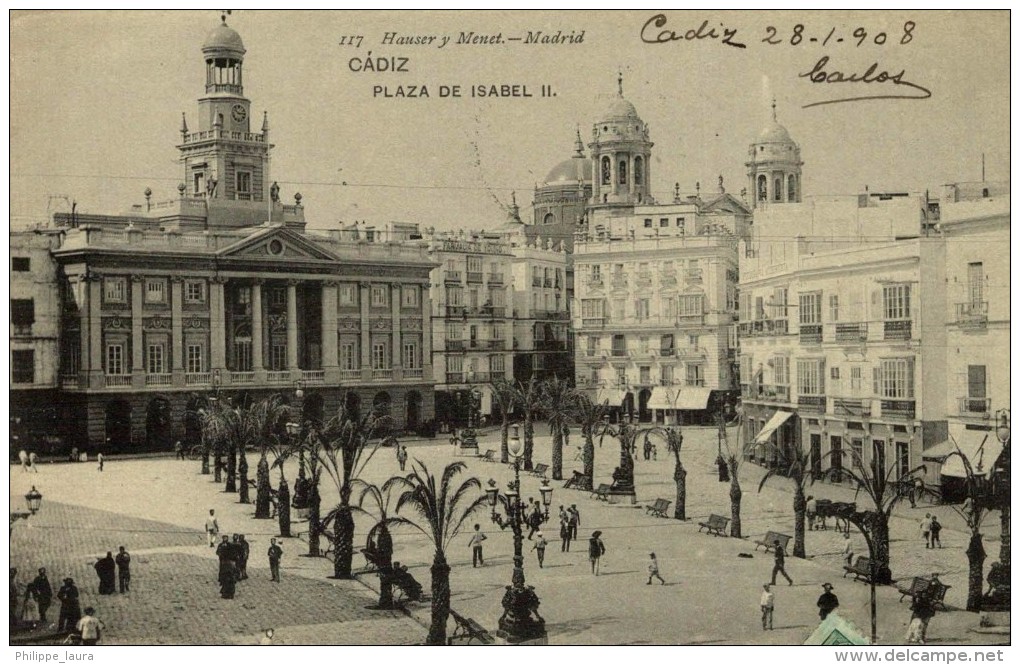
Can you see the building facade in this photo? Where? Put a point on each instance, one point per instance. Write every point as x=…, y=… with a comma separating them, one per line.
x=223, y=290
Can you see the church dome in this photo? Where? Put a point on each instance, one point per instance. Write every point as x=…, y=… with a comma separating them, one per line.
x=620, y=108
x=570, y=171
x=223, y=38
x=774, y=133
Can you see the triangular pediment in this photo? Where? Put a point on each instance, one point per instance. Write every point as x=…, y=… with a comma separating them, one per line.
x=726, y=203
x=277, y=243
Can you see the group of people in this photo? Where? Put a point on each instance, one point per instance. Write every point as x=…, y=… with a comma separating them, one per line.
x=931, y=529
x=570, y=520
x=29, y=461
x=112, y=571
x=30, y=609
x=827, y=602
x=233, y=556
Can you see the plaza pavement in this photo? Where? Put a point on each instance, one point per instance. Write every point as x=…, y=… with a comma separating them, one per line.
x=711, y=595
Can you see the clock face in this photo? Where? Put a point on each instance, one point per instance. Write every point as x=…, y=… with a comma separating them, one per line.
x=239, y=113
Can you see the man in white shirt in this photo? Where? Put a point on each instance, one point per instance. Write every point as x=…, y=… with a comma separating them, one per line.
x=89, y=627
x=768, y=603
x=848, y=549
x=212, y=527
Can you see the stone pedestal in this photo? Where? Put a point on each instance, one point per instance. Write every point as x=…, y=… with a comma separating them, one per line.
x=622, y=497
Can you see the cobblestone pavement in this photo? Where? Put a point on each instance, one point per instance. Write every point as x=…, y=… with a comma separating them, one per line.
x=711, y=595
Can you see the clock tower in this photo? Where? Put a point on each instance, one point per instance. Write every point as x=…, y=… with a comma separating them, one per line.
x=224, y=159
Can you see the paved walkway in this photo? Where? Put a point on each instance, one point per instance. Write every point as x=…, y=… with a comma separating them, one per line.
x=711, y=595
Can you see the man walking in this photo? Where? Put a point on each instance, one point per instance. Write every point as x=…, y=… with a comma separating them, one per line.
x=768, y=602
x=926, y=530
x=780, y=563
x=936, y=530
x=124, y=569
x=653, y=569
x=402, y=456
x=827, y=602
x=539, y=547
x=275, y=554
x=848, y=550
x=178, y=450
x=100, y=459
x=245, y=550
x=564, y=530
x=212, y=527
x=476, y=547
x=23, y=458
x=575, y=521
x=33, y=461
x=595, y=551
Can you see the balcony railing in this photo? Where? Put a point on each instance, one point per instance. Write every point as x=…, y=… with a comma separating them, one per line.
x=452, y=276
x=497, y=344
x=811, y=401
x=118, y=380
x=852, y=406
x=763, y=327
x=619, y=353
x=455, y=377
x=454, y=345
x=158, y=379
x=350, y=374
x=313, y=375
x=979, y=405
x=456, y=310
x=810, y=333
x=666, y=353
x=197, y=379
x=495, y=278
x=280, y=376
x=593, y=323
x=777, y=393
x=476, y=377
x=474, y=277
x=240, y=378
x=695, y=382
x=382, y=374
x=667, y=278
x=70, y=381
x=21, y=329
x=693, y=275
x=851, y=332
x=972, y=313
x=644, y=279
x=547, y=283
x=903, y=408
x=593, y=281
x=550, y=345
x=536, y=282
x=897, y=330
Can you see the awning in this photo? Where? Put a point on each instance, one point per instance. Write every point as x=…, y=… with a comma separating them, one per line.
x=777, y=419
x=614, y=396
x=693, y=398
x=660, y=398
x=981, y=448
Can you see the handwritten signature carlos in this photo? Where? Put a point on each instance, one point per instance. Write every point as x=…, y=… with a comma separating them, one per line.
x=822, y=73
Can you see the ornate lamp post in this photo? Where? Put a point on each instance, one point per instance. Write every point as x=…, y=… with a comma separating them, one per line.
x=33, y=499
x=468, y=437
x=520, y=621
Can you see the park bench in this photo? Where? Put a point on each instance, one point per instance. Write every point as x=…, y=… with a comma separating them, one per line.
x=861, y=569
x=602, y=492
x=489, y=456
x=660, y=508
x=574, y=482
x=920, y=585
x=769, y=541
x=716, y=525
x=405, y=583
x=468, y=629
x=540, y=470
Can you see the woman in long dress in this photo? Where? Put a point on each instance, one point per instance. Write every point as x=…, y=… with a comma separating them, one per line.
x=30, y=609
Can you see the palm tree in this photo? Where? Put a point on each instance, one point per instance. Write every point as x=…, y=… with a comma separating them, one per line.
x=528, y=398
x=733, y=463
x=674, y=441
x=503, y=395
x=973, y=512
x=379, y=536
x=347, y=447
x=442, y=511
x=265, y=418
x=878, y=484
x=557, y=403
x=794, y=463
x=591, y=416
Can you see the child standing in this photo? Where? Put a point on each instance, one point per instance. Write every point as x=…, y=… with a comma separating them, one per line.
x=768, y=603
x=653, y=569
x=539, y=547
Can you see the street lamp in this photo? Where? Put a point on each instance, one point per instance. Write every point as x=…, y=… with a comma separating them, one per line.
x=520, y=602
x=33, y=499
x=546, y=490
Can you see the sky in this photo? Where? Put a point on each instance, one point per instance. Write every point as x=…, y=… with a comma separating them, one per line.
x=96, y=102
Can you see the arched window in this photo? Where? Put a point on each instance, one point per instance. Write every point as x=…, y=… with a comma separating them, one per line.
x=606, y=171
x=638, y=171
x=763, y=193
x=549, y=219
x=777, y=195
x=791, y=189
x=623, y=171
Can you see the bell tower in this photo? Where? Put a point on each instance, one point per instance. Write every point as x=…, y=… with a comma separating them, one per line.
x=621, y=156
x=224, y=159
x=774, y=166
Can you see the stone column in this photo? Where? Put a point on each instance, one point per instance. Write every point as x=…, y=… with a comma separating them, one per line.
x=137, y=336
x=366, y=336
x=177, y=330
x=330, y=354
x=396, y=360
x=292, y=341
x=646, y=187
x=257, y=344
x=630, y=176
x=217, y=324
x=94, y=331
x=426, y=335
